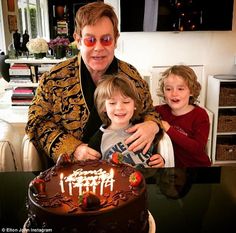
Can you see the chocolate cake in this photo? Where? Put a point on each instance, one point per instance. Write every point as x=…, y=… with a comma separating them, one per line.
x=89, y=197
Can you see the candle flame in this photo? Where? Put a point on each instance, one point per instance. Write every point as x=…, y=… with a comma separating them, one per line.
x=112, y=173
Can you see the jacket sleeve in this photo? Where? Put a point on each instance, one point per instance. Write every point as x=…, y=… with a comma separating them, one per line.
x=43, y=128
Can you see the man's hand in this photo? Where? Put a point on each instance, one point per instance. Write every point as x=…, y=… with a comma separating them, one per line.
x=83, y=152
x=165, y=125
x=142, y=136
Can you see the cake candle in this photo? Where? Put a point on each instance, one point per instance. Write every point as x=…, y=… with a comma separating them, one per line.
x=80, y=189
x=86, y=184
x=80, y=184
x=102, y=177
x=94, y=183
x=70, y=188
x=94, y=189
x=62, y=183
x=111, y=179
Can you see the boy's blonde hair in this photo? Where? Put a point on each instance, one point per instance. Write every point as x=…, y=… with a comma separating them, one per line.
x=189, y=77
x=105, y=90
x=90, y=13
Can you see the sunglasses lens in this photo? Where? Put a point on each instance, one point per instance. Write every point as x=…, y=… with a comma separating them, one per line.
x=106, y=40
x=89, y=41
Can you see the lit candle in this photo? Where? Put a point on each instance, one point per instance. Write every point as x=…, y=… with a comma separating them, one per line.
x=87, y=185
x=70, y=188
x=80, y=189
x=111, y=179
x=62, y=183
x=94, y=189
x=94, y=183
x=102, y=184
x=80, y=184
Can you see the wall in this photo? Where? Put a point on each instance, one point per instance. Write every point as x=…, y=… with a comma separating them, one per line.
x=213, y=49
x=42, y=22
x=6, y=35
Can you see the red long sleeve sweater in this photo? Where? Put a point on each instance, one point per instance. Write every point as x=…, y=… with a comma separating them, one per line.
x=189, y=135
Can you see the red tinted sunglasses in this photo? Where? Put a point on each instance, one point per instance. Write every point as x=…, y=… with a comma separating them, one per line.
x=104, y=40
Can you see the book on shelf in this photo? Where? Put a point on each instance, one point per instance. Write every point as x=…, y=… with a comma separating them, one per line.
x=19, y=66
x=22, y=96
x=19, y=69
x=44, y=68
x=21, y=102
x=20, y=80
x=62, y=27
x=24, y=90
x=23, y=93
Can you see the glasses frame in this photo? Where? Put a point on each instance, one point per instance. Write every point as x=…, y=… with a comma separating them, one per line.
x=105, y=40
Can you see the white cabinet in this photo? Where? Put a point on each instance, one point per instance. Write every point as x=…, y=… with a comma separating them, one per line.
x=221, y=100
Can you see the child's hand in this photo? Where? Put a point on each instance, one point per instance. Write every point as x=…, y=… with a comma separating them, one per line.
x=156, y=161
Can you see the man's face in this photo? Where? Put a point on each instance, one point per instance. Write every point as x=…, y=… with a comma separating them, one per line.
x=97, y=45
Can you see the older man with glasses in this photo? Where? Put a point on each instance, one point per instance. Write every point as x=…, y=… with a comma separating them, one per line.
x=62, y=116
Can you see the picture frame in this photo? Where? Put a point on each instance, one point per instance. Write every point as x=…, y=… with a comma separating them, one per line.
x=11, y=5
x=12, y=22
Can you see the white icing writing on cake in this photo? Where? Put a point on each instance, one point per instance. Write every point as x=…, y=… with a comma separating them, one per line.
x=87, y=181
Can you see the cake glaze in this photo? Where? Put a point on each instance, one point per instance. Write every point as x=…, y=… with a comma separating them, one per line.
x=123, y=210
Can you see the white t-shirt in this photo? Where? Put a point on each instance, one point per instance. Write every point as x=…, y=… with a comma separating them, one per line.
x=113, y=140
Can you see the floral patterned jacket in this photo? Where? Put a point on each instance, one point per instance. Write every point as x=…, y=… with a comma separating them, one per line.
x=62, y=114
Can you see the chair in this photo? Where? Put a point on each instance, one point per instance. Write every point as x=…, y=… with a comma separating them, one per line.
x=4, y=68
x=165, y=149
x=10, y=144
x=31, y=160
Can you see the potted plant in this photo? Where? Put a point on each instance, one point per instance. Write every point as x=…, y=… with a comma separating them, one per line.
x=59, y=46
x=73, y=47
x=38, y=46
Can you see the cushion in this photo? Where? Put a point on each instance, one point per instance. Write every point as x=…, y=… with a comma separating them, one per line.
x=165, y=149
x=31, y=161
x=10, y=144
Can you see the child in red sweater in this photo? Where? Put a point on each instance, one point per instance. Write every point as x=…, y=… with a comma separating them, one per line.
x=183, y=120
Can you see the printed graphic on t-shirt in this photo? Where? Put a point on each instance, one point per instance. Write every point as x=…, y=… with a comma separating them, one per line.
x=114, y=141
x=134, y=159
x=180, y=130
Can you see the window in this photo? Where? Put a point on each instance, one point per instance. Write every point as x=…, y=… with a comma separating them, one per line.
x=2, y=46
x=33, y=18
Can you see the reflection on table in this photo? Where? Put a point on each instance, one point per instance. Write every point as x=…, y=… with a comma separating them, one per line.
x=180, y=200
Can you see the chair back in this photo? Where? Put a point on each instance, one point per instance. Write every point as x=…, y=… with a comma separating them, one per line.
x=4, y=68
x=165, y=149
